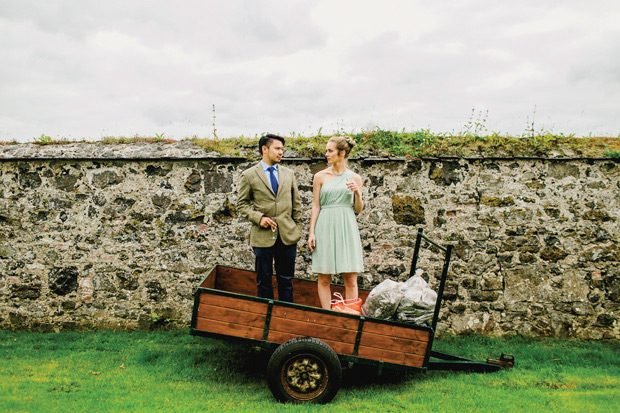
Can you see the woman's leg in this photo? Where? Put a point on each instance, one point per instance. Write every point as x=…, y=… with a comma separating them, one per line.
x=350, y=285
x=325, y=291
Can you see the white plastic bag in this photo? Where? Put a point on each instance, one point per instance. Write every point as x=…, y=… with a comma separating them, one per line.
x=418, y=301
x=383, y=300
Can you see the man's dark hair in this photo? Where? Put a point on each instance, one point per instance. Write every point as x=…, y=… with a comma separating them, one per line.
x=266, y=141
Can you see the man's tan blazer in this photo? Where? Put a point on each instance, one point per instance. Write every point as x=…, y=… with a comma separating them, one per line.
x=256, y=199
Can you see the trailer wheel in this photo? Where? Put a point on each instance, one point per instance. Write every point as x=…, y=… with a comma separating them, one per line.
x=304, y=369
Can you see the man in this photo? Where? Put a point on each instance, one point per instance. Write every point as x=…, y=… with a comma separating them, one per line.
x=268, y=197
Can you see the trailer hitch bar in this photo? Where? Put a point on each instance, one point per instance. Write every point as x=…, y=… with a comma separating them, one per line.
x=457, y=363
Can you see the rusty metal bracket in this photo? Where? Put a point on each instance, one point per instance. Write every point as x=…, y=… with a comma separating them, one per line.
x=505, y=360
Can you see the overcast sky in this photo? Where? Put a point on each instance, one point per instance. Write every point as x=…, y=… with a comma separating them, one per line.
x=89, y=69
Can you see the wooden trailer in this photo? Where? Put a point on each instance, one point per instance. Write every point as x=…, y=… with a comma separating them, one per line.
x=310, y=343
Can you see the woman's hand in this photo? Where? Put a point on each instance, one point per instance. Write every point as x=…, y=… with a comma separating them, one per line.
x=311, y=242
x=353, y=186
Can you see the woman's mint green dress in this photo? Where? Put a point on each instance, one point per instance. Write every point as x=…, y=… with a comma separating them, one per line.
x=338, y=245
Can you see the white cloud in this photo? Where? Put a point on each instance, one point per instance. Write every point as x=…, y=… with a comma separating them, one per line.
x=90, y=69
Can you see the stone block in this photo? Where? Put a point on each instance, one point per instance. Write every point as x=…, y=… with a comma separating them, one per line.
x=17, y=319
x=225, y=213
x=29, y=180
x=582, y=308
x=597, y=215
x=62, y=281
x=573, y=287
x=155, y=292
x=193, y=183
x=7, y=251
x=479, y=295
x=526, y=283
x=469, y=283
x=127, y=281
x=561, y=325
x=152, y=170
x=497, y=202
x=106, y=179
x=538, y=309
x=317, y=167
x=515, y=217
x=612, y=287
x=487, y=219
x=160, y=200
x=526, y=258
x=407, y=210
x=450, y=292
x=218, y=182
x=561, y=170
x=596, y=185
x=596, y=278
x=25, y=291
x=605, y=320
x=553, y=254
x=490, y=284
x=445, y=173
x=479, y=233
x=508, y=246
x=459, y=308
x=516, y=307
x=66, y=182
x=552, y=212
x=602, y=254
x=103, y=281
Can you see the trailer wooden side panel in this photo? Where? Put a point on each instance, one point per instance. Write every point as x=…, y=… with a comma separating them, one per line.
x=394, y=344
x=322, y=332
x=389, y=356
x=336, y=331
x=239, y=281
x=236, y=281
x=315, y=317
x=338, y=347
x=209, y=280
x=229, y=329
x=231, y=316
x=396, y=331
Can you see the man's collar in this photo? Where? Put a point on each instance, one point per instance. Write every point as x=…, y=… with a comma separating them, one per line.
x=265, y=166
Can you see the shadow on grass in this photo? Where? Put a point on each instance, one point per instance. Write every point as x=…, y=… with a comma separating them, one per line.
x=237, y=362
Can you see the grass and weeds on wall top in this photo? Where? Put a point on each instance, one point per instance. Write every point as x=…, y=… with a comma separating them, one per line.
x=385, y=143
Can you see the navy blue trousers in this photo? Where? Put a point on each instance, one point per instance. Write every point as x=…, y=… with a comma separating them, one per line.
x=284, y=258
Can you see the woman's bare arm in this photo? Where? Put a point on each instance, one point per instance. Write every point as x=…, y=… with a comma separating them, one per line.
x=316, y=208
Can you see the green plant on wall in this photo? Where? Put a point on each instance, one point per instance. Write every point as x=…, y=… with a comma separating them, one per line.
x=159, y=320
x=476, y=125
x=43, y=139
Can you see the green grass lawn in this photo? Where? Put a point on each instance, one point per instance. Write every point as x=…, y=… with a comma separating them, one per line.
x=173, y=371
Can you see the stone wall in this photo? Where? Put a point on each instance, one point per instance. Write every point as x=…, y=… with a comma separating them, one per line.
x=95, y=236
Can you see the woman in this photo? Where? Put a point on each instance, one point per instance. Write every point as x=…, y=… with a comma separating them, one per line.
x=334, y=238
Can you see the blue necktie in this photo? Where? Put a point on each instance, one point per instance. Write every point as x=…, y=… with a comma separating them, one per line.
x=274, y=181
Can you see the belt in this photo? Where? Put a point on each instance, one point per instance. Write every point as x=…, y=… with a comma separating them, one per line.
x=336, y=206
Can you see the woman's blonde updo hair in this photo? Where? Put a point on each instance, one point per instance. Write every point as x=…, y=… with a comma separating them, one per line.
x=343, y=143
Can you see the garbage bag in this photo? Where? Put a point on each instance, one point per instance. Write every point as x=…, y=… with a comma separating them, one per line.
x=418, y=302
x=383, y=300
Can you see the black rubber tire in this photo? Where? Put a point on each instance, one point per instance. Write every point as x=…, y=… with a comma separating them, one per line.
x=304, y=370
